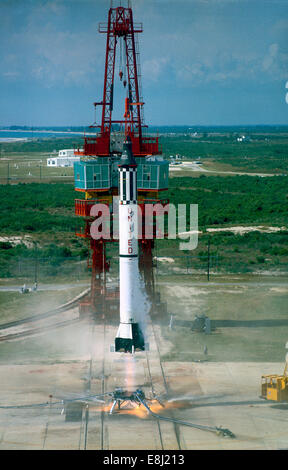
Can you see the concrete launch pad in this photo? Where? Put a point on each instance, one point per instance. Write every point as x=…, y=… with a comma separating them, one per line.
x=41, y=377
x=203, y=393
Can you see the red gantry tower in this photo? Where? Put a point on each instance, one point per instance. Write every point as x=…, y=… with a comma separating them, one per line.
x=96, y=175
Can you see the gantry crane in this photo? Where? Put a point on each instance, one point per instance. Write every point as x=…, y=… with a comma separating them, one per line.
x=96, y=175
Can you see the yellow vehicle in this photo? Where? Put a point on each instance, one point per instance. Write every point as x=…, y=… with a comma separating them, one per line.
x=275, y=387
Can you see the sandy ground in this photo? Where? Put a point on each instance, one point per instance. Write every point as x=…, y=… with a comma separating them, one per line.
x=242, y=229
x=25, y=240
x=195, y=167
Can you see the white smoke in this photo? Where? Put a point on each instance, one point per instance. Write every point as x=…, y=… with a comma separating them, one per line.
x=142, y=303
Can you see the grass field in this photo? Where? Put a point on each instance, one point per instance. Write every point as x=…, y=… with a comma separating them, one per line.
x=260, y=152
x=264, y=150
x=252, y=314
x=31, y=167
x=16, y=306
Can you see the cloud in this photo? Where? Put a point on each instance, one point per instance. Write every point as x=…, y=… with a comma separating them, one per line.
x=203, y=41
x=10, y=74
x=45, y=44
x=281, y=25
x=186, y=44
x=275, y=63
x=221, y=46
x=153, y=68
x=53, y=56
x=271, y=56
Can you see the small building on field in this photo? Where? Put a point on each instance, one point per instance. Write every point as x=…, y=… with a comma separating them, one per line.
x=65, y=158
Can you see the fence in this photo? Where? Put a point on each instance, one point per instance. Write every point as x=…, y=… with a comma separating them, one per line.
x=33, y=172
x=37, y=269
x=208, y=265
x=214, y=265
x=75, y=268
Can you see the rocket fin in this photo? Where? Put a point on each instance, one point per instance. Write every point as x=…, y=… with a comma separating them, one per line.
x=129, y=337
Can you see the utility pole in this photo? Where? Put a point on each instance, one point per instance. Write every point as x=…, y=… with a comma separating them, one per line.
x=36, y=264
x=208, y=259
x=8, y=173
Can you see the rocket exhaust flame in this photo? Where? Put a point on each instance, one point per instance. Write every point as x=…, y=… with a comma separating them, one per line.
x=130, y=366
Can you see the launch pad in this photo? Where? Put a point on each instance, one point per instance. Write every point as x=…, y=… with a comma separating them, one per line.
x=123, y=397
x=76, y=362
x=137, y=398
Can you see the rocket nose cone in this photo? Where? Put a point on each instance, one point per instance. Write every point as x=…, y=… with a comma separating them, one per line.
x=127, y=157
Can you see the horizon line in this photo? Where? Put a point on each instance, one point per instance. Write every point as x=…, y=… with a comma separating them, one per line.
x=31, y=127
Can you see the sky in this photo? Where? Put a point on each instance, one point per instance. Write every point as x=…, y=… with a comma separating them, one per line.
x=203, y=62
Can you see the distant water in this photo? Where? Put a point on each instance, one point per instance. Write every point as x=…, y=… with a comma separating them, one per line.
x=14, y=136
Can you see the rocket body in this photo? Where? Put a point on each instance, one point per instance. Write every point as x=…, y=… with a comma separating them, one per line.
x=129, y=336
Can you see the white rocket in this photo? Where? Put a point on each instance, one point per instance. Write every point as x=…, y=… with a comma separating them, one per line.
x=129, y=336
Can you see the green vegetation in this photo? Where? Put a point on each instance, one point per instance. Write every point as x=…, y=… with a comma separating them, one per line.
x=233, y=199
x=38, y=145
x=229, y=253
x=37, y=208
x=45, y=211
x=260, y=153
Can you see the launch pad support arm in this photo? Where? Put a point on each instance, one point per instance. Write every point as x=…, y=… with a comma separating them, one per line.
x=217, y=429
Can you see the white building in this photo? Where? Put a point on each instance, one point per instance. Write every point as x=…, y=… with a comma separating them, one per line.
x=65, y=158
